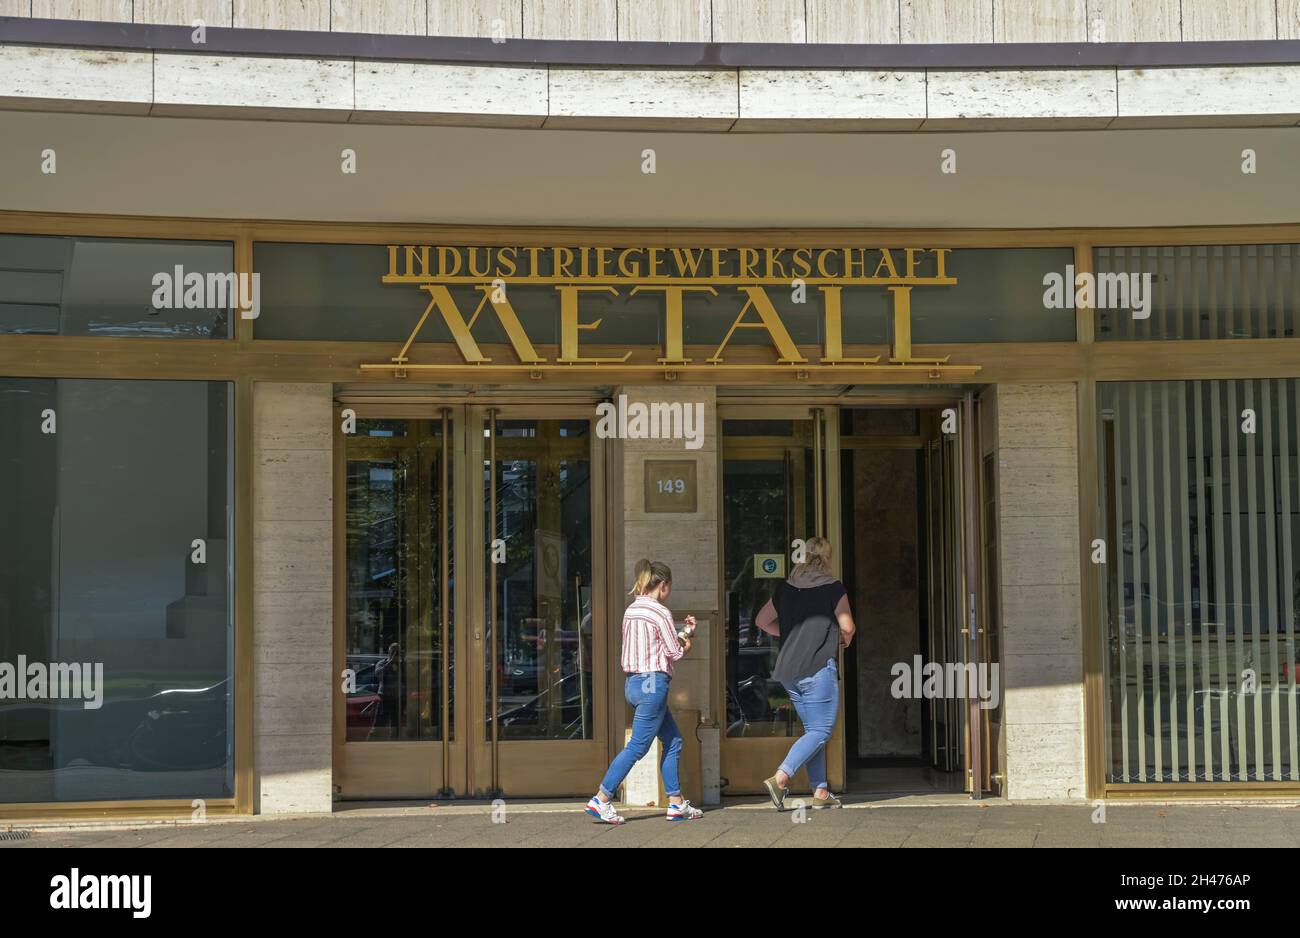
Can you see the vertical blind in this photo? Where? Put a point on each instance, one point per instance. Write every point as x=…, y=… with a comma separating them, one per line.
x=1201, y=501
x=1235, y=291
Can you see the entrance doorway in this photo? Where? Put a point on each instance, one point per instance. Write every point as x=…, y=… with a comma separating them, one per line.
x=470, y=563
x=893, y=489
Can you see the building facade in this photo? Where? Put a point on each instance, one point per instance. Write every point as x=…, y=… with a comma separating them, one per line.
x=352, y=354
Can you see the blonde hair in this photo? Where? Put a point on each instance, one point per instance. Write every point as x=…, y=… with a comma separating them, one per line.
x=650, y=575
x=817, y=551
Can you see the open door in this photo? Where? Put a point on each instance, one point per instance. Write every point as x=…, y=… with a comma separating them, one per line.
x=956, y=613
x=778, y=474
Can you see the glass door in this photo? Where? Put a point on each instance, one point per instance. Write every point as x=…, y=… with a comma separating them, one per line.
x=395, y=643
x=958, y=638
x=473, y=656
x=542, y=648
x=777, y=479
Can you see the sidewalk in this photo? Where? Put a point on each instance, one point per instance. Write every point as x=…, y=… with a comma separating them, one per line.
x=930, y=821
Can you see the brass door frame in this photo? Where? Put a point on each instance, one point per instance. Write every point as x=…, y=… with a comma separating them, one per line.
x=470, y=764
x=538, y=768
x=973, y=622
x=955, y=591
x=745, y=761
x=397, y=768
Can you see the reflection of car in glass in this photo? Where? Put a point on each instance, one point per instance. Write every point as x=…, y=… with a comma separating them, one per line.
x=363, y=701
x=566, y=695
x=181, y=728
x=173, y=730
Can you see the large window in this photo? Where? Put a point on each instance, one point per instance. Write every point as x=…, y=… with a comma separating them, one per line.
x=117, y=287
x=1201, y=500
x=315, y=292
x=116, y=632
x=1215, y=291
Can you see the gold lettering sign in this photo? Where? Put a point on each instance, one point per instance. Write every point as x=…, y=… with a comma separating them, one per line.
x=678, y=278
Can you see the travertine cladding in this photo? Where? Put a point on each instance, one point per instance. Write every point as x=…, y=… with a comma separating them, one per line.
x=389, y=17
x=105, y=11
x=825, y=21
x=831, y=99
x=488, y=19
x=1044, y=21
x=759, y=21
x=873, y=22
x=688, y=543
x=94, y=80
x=570, y=19
x=1077, y=97
x=293, y=624
x=1127, y=21
x=424, y=92
x=1042, y=657
x=279, y=87
x=184, y=12
x=1047, y=21
x=665, y=21
x=1288, y=19
x=319, y=89
x=650, y=99
x=948, y=21
x=1242, y=19
x=1187, y=97
x=286, y=14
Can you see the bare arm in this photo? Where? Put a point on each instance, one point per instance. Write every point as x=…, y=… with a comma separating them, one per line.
x=766, y=619
x=845, y=617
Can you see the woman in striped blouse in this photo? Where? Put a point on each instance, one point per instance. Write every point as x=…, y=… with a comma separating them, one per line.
x=650, y=646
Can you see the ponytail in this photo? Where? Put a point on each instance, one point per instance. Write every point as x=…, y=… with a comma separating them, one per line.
x=817, y=557
x=649, y=575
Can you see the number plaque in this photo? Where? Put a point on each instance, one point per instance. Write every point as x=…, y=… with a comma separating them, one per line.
x=670, y=486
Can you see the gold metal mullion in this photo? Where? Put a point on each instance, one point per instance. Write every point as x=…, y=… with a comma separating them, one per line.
x=242, y=328
x=444, y=532
x=424, y=564
x=492, y=592
x=470, y=536
x=244, y=612
x=838, y=746
x=971, y=595
x=412, y=587
x=818, y=493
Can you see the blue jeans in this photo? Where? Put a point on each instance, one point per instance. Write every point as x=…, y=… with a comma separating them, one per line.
x=817, y=701
x=648, y=692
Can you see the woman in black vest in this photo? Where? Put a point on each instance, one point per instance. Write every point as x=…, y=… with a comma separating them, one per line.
x=810, y=613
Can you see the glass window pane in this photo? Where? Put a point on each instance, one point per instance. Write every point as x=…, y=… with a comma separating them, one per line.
x=116, y=557
x=1217, y=291
x=998, y=297
x=767, y=501
x=314, y=292
x=116, y=287
x=398, y=541
x=544, y=589
x=1203, y=582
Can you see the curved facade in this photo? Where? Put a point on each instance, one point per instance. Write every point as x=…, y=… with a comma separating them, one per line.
x=348, y=366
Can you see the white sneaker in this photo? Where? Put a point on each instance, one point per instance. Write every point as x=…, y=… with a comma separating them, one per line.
x=684, y=812
x=603, y=811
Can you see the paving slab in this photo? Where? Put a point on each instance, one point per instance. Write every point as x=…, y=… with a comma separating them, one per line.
x=737, y=824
